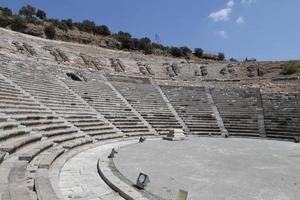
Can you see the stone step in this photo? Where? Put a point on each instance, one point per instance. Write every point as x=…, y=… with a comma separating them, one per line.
x=7, y=134
x=50, y=156
x=76, y=143
x=60, y=132
x=101, y=132
x=7, y=125
x=133, y=130
x=108, y=136
x=33, y=151
x=37, y=123
x=12, y=145
x=94, y=123
x=61, y=139
x=96, y=128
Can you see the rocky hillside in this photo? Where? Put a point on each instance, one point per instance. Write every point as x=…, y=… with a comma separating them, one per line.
x=108, y=61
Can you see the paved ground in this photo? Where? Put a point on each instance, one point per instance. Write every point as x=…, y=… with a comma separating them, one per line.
x=216, y=168
x=79, y=178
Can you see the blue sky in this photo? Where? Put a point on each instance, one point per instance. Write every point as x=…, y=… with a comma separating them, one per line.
x=263, y=29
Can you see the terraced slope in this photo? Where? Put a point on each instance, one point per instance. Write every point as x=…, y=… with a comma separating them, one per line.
x=282, y=114
x=147, y=100
x=98, y=94
x=52, y=93
x=193, y=107
x=238, y=109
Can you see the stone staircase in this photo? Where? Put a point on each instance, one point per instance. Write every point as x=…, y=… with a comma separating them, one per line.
x=146, y=99
x=52, y=93
x=98, y=94
x=238, y=109
x=193, y=107
x=282, y=114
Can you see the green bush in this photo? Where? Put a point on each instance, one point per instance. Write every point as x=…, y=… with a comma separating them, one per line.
x=86, y=26
x=18, y=24
x=102, y=30
x=5, y=12
x=41, y=14
x=27, y=11
x=126, y=40
x=50, y=31
x=185, y=51
x=198, y=52
x=4, y=21
x=290, y=68
x=221, y=56
x=176, y=52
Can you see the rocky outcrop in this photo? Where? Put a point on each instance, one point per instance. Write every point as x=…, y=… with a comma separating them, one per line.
x=254, y=71
x=204, y=71
x=58, y=54
x=24, y=48
x=145, y=69
x=118, y=65
x=90, y=62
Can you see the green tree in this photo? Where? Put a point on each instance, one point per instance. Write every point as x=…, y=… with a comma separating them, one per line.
x=27, y=11
x=176, y=52
x=102, y=30
x=126, y=40
x=41, y=14
x=18, y=24
x=5, y=12
x=144, y=43
x=185, y=51
x=68, y=22
x=87, y=26
x=290, y=68
x=50, y=31
x=221, y=56
x=198, y=52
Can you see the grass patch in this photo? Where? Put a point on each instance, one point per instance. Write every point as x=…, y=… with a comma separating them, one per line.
x=290, y=68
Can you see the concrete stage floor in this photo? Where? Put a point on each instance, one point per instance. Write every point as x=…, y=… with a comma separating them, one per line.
x=216, y=168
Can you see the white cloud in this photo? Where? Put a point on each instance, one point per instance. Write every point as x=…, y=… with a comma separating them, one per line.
x=240, y=20
x=221, y=34
x=230, y=3
x=248, y=2
x=221, y=15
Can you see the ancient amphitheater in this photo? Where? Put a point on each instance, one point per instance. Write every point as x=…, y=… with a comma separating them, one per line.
x=63, y=107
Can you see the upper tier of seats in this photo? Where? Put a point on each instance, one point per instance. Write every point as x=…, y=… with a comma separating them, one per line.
x=147, y=100
x=282, y=114
x=101, y=96
x=193, y=107
x=238, y=109
x=53, y=94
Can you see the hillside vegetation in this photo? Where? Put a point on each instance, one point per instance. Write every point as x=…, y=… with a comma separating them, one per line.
x=34, y=22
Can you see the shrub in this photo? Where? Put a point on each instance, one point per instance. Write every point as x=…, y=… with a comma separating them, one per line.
x=198, y=52
x=102, y=30
x=290, y=68
x=87, y=26
x=41, y=14
x=221, y=56
x=185, y=51
x=27, y=11
x=148, y=49
x=50, y=31
x=233, y=60
x=4, y=21
x=176, y=52
x=126, y=40
x=5, y=12
x=18, y=24
x=68, y=22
